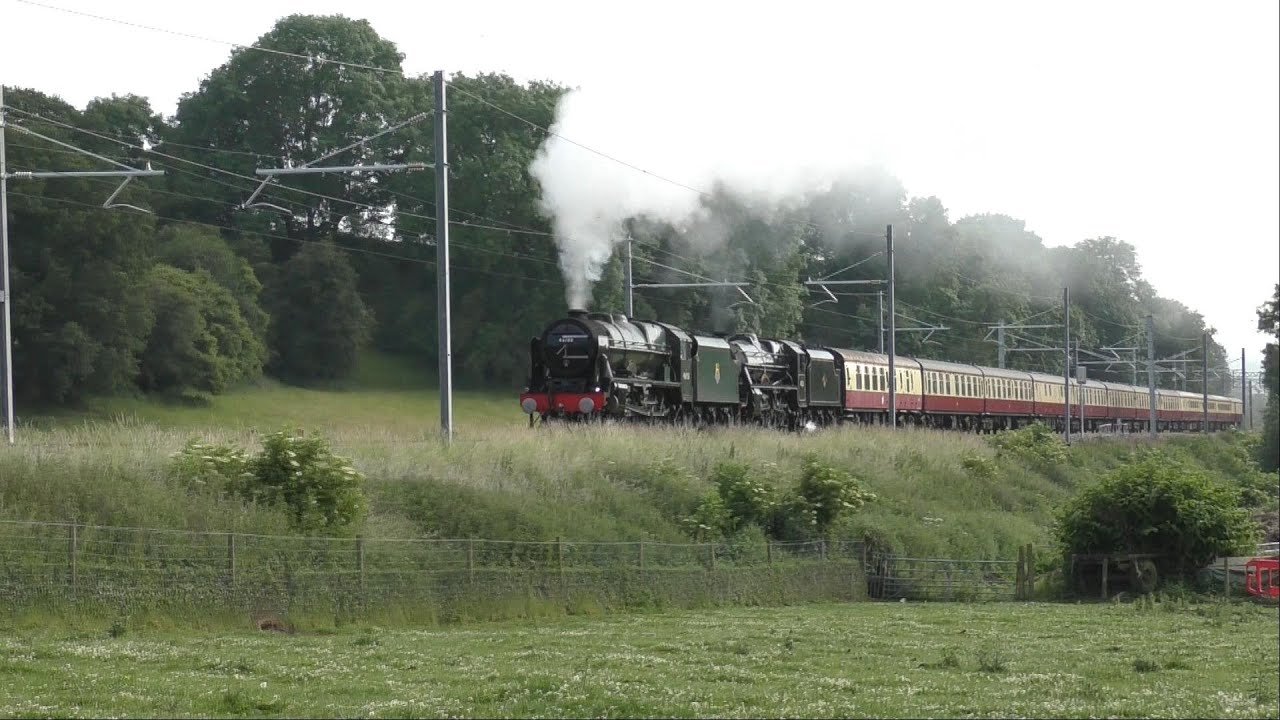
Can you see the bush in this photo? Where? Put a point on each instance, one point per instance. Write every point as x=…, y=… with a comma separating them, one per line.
x=319, y=491
x=825, y=494
x=1036, y=444
x=710, y=520
x=745, y=499
x=1155, y=504
x=220, y=469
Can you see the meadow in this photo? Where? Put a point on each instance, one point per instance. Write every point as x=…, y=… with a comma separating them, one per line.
x=1162, y=659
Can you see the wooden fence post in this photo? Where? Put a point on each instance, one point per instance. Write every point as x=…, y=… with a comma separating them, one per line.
x=1020, y=579
x=1106, y=561
x=471, y=561
x=641, y=556
x=231, y=558
x=949, y=595
x=560, y=561
x=822, y=549
x=711, y=553
x=360, y=562
x=1031, y=571
x=71, y=557
x=768, y=552
x=1226, y=576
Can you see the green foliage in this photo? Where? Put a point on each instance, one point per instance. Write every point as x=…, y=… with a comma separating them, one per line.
x=319, y=321
x=321, y=491
x=194, y=248
x=1035, y=444
x=746, y=499
x=1156, y=504
x=1269, y=449
x=214, y=467
x=710, y=520
x=980, y=467
x=1269, y=322
x=281, y=106
x=826, y=493
x=199, y=342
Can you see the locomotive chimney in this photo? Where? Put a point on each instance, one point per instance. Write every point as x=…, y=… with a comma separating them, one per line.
x=578, y=314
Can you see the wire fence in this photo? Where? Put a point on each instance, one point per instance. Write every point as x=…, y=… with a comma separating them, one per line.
x=895, y=577
x=45, y=564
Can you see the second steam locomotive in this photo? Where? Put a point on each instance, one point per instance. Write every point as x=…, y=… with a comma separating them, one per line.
x=601, y=366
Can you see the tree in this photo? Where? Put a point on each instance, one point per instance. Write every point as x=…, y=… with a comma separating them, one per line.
x=1269, y=322
x=78, y=324
x=199, y=343
x=1156, y=504
x=318, y=321
x=193, y=248
x=294, y=107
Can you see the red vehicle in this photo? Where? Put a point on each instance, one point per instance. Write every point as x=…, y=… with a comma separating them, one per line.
x=1262, y=578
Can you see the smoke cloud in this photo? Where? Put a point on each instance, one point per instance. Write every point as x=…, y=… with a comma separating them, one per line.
x=664, y=154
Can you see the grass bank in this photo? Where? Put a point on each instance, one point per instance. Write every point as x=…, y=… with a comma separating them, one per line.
x=938, y=493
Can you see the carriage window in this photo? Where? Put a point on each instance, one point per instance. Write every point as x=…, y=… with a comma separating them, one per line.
x=858, y=379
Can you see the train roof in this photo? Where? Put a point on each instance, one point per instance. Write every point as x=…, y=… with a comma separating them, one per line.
x=870, y=358
x=944, y=366
x=821, y=354
x=1005, y=373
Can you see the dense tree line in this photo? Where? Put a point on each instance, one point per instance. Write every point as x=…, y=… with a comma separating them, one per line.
x=1269, y=322
x=205, y=293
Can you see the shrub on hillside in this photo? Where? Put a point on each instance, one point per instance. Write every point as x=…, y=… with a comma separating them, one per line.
x=1156, y=504
x=319, y=491
x=1036, y=444
x=823, y=496
x=211, y=467
x=829, y=493
x=746, y=498
x=710, y=520
x=742, y=499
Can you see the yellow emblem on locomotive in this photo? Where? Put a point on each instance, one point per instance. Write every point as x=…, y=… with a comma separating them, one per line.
x=717, y=373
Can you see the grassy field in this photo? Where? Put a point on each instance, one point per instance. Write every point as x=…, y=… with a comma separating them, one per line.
x=859, y=660
x=389, y=394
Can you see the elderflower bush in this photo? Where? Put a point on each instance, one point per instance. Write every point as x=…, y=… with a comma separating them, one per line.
x=211, y=467
x=320, y=492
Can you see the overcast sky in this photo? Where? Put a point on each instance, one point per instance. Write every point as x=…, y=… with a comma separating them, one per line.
x=1155, y=122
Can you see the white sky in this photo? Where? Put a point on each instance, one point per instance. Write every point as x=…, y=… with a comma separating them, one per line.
x=1156, y=122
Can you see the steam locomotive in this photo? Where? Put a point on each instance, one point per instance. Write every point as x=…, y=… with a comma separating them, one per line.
x=600, y=366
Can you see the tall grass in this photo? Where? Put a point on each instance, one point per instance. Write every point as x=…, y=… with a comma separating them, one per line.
x=583, y=483
x=938, y=493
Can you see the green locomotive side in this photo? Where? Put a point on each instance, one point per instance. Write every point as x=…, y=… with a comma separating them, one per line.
x=716, y=374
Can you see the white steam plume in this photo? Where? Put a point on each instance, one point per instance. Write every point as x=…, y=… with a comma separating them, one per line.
x=687, y=142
